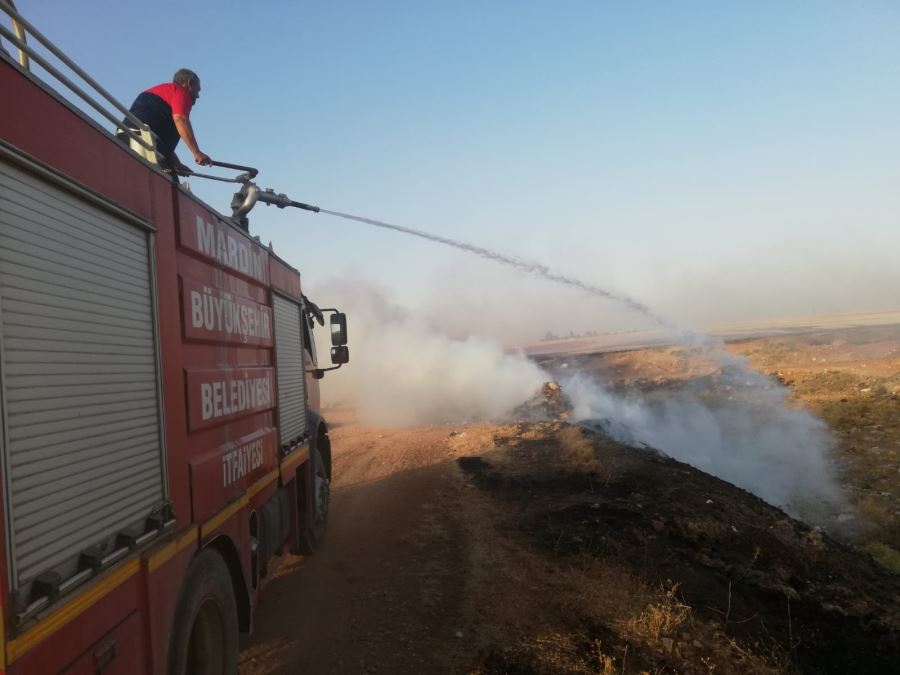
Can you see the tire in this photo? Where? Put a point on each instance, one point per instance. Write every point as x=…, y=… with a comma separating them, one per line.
x=315, y=521
x=204, y=635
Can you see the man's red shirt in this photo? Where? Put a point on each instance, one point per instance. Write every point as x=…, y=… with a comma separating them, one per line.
x=176, y=96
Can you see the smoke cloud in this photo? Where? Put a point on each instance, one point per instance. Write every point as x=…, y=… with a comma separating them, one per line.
x=405, y=372
x=738, y=427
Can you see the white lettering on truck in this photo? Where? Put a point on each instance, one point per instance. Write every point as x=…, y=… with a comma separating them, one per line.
x=233, y=252
x=226, y=314
x=242, y=460
x=230, y=397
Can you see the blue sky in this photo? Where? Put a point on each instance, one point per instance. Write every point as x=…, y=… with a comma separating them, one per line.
x=716, y=160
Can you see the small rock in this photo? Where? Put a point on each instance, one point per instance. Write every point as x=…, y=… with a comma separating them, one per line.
x=459, y=634
x=667, y=644
x=835, y=609
x=709, y=501
x=658, y=525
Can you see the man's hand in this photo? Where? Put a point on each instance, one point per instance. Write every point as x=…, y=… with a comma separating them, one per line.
x=202, y=158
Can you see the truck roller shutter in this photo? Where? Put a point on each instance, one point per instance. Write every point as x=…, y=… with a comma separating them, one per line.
x=291, y=371
x=82, y=448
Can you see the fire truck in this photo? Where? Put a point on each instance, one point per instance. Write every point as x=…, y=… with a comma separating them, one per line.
x=161, y=438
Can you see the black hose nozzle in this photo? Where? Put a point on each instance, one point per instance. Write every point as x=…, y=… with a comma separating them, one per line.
x=308, y=207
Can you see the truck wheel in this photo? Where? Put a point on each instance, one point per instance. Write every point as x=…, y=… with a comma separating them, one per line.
x=316, y=521
x=204, y=636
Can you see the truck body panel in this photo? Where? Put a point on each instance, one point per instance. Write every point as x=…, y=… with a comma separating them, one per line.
x=155, y=394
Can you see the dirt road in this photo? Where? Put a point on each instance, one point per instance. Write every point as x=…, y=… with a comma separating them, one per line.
x=386, y=593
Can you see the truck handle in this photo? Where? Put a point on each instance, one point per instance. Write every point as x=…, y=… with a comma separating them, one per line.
x=238, y=167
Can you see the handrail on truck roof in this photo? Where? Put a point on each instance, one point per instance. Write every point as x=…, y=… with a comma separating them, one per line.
x=20, y=33
x=22, y=28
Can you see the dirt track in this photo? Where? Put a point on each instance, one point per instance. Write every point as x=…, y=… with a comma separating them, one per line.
x=414, y=577
x=386, y=592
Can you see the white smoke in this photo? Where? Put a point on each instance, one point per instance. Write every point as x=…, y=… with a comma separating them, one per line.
x=737, y=426
x=743, y=431
x=404, y=372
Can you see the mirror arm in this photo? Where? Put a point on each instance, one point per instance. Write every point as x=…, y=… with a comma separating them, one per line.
x=315, y=371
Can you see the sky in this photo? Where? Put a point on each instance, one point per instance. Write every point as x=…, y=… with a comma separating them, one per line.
x=717, y=161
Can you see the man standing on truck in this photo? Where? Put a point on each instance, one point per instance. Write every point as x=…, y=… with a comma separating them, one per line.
x=166, y=109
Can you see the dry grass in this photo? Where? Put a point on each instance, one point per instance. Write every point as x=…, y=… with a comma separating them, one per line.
x=764, y=661
x=659, y=618
x=884, y=554
x=578, y=451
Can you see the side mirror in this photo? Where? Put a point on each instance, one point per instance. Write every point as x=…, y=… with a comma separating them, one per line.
x=340, y=355
x=338, y=331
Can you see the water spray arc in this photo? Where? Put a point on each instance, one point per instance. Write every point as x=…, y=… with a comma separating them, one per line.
x=534, y=268
x=249, y=195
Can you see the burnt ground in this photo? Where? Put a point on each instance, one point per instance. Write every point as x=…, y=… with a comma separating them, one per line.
x=748, y=573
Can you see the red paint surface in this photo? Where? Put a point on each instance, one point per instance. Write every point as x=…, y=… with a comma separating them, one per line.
x=284, y=278
x=73, y=639
x=226, y=471
x=119, y=652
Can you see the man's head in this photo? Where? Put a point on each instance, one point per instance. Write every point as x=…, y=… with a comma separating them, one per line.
x=189, y=80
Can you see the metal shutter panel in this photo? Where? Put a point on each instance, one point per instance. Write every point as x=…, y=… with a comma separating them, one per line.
x=291, y=373
x=82, y=444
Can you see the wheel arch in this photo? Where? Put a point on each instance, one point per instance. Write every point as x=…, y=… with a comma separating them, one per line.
x=225, y=547
x=320, y=440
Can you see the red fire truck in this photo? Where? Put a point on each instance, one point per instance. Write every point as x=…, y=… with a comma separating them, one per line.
x=161, y=441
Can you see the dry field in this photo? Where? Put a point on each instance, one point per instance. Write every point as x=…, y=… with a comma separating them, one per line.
x=849, y=377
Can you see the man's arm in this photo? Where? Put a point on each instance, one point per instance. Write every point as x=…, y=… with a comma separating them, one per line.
x=186, y=131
